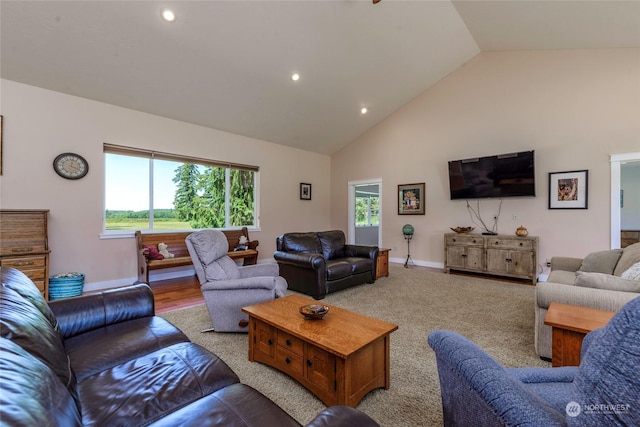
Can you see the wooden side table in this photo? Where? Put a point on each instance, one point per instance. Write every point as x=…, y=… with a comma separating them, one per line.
x=570, y=324
x=382, y=268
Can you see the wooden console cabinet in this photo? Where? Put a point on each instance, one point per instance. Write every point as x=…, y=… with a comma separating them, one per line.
x=24, y=244
x=499, y=255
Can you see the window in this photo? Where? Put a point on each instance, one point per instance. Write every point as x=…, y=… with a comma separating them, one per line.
x=147, y=190
x=367, y=209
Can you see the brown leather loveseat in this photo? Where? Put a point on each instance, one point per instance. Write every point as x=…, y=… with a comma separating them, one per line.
x=318, y=263
x=106, y=360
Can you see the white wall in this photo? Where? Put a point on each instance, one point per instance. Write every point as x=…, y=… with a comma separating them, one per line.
x=630, y=184
x=573, y=107
x=40, y=124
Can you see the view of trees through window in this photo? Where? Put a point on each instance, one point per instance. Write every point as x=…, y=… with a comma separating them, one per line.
x=154, y=194
x=367, y=211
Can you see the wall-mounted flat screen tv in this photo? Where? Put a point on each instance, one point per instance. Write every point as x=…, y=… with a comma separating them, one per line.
x=504, y=175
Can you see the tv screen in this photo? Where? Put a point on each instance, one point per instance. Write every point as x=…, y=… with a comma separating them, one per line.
x=505, y=175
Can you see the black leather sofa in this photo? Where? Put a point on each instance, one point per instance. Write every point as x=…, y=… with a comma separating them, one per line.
x=318, y=263
x=106, y=360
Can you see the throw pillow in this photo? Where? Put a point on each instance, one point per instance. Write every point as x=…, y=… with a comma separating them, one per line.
x=606, y=281
x=153, y=253
x=633, y=273
x=601, y=261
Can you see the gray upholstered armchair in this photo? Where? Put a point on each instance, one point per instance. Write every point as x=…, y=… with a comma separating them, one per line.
x=603, y=391
x=226, y=287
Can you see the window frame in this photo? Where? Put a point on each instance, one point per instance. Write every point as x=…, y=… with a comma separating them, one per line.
x=157, y=155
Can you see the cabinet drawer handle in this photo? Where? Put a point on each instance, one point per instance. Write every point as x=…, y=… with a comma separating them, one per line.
x=287, y=360
x=288, y=342
x=520, y=243
x=270, y=341
x=22, y=250
x=309, y=362
x=474, y=240
x=23, y=263
x=453, y=240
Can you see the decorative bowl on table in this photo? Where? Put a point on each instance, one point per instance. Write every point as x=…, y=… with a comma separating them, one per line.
x=462, y=230
x=313, y=311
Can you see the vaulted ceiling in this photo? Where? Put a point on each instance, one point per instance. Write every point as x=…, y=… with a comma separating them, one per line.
x=228, y=64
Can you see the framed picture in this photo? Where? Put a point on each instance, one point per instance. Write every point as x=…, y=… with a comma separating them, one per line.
x=411, y=199
x=305, y=191
x=568, y=190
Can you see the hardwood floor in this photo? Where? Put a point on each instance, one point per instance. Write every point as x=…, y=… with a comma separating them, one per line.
x=176, y=293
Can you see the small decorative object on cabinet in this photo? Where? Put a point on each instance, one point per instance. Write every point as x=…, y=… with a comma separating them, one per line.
x=382, y=265
x=24, y=244
x=522, y=231
x=499, y=255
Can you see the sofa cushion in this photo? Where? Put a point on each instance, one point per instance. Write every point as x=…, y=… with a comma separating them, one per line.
x=601, y=261
x=108, y=346
x=332, y=244
x=235, y=405
x=632, y=273
x=338, y=269
x=164, y=381
x=301, y=242
x=606, y=281
x=26, y=325
x=563, y=277
x=32, y=394
x=360, y=265
x=630, y=255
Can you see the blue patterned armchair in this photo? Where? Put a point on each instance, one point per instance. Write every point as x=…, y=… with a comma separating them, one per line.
x=604, y=390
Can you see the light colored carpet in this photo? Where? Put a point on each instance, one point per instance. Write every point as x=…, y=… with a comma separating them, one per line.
x=498, y=316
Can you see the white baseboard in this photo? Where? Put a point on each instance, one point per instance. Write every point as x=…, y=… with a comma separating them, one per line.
x=417, y=262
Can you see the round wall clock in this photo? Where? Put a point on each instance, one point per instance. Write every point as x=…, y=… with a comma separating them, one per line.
x=71, y=166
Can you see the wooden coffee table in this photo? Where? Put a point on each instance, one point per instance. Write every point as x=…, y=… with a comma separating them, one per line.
x=339, y=358
x=570, y=324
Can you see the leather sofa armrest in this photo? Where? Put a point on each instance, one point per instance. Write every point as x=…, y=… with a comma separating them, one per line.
x=565, y=263
x=342, y=416
x=300, y=259
x=361, y=251
x=87, y=312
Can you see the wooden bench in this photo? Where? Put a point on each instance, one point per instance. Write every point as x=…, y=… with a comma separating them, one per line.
x=176, y=245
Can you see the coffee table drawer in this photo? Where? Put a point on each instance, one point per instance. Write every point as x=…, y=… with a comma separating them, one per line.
x=291, y=343
x=289, y=362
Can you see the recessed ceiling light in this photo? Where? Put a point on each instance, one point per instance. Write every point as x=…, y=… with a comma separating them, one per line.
x=168, y=15
x=295, y=77
x=363, y=110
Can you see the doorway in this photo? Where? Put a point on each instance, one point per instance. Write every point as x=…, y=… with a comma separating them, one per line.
x=618, y=162
x=365, y=212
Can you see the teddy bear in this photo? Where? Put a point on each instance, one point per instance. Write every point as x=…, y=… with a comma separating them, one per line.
x=162, y=248
x=243, y=244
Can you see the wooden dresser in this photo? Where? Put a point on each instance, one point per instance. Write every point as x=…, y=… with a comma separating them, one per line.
x=24, y=244
x=499, y=255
